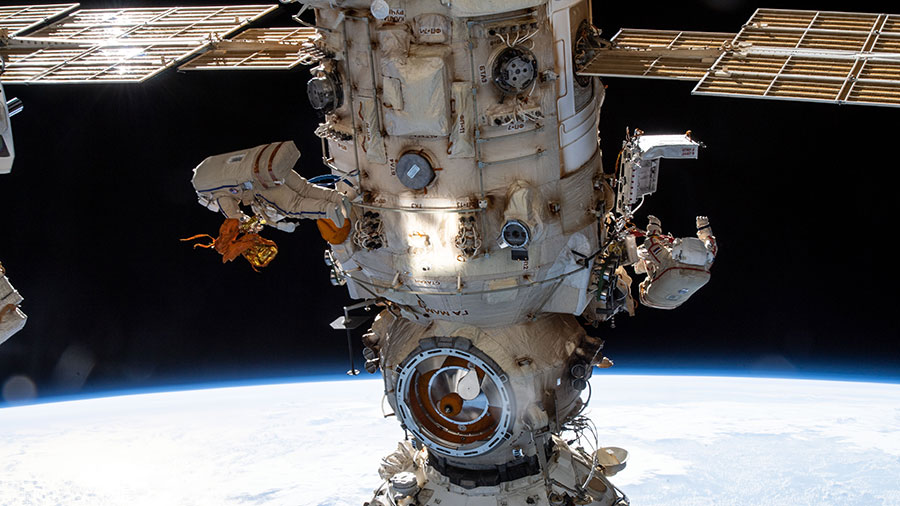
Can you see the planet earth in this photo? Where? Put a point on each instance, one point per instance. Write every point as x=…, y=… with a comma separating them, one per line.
x=693, y=440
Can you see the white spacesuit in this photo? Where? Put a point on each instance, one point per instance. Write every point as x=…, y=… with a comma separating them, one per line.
x=263, y=178
x=12, y=319
x=675, y=267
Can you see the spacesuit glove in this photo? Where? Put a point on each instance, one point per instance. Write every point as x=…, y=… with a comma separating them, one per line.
x=702, y=222
x=286, y=226
x=654, y=226
x=335, y=213
x=703, y=228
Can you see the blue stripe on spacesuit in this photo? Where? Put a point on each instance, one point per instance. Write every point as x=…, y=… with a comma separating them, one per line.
x=219, y=188
x=286, y=213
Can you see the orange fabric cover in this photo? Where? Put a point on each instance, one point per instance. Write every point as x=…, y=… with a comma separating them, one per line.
x=331, y=233
x=232, y=243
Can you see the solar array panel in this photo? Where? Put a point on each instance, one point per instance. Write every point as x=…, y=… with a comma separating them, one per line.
x=816, y=31
x=836, y=57
x=659, y=54
x=118, y=45
x=259, y=49
x=630, y=38
x=820, y=79
x=171, y=24
x=21, y=18
x=92, y=64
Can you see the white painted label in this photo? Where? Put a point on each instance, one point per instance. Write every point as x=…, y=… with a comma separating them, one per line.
x=411, y=173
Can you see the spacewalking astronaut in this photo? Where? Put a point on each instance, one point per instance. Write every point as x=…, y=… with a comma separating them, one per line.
x=676, y=267
x=263, y=178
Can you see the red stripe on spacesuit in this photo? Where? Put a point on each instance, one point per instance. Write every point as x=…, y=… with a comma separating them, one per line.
x=272, y=159
x=256, y=168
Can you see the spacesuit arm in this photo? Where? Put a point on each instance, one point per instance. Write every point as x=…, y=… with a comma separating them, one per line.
x=308, y=190
x=705, y=234
x=230, y=208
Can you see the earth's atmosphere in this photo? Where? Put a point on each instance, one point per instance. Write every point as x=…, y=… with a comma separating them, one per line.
x=693, y=441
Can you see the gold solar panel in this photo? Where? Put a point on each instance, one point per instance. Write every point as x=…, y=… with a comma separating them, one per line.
x=92, y=64
x=671, y=39
x=259, y=49
x=21, y=18
x=659, y=54
x=794, y=77
x=821, y=31
x=836, y=57
x=172, y=24
x=120, y=45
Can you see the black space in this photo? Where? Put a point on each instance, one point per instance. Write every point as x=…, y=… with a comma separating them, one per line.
x=801, y=197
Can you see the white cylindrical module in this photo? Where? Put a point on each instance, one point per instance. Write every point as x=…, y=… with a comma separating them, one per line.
x=465, y=127
x=475, y=151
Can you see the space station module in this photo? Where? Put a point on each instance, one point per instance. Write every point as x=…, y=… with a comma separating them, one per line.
x=263, y=179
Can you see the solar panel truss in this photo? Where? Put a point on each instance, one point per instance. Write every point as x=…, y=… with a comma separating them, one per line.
x=260, y=49
x=120, y=45
x=835, y=57
x=659, y=54
x=18, y=19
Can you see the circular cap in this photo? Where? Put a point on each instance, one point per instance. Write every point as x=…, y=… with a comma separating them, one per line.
x=405, y=483
x=414, y=171
x=380, y=9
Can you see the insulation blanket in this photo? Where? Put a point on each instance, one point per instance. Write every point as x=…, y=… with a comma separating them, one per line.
x=423, y=91
x=373, y=144
x=462, y=133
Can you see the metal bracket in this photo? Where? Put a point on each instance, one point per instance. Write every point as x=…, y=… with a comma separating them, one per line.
x=349, y=323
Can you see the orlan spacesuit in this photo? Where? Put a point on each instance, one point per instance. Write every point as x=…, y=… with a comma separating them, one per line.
x=12, y=319
x=263, y=178
x=676, y=267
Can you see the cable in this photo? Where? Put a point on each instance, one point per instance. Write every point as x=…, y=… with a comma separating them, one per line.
x=638, y=207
